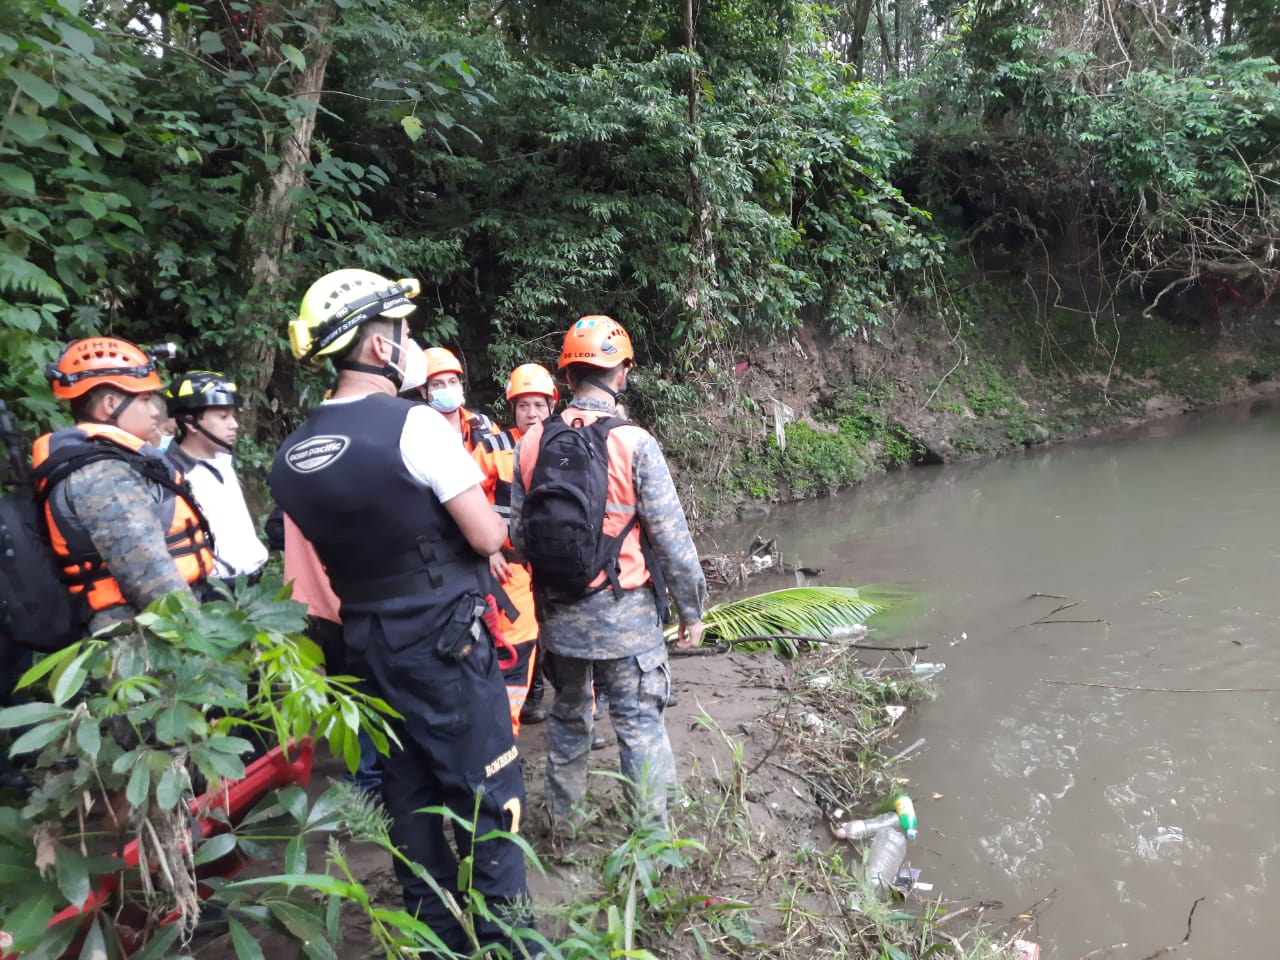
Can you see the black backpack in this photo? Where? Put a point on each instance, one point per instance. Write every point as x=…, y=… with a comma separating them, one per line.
x=564, y=508
x=37, y=611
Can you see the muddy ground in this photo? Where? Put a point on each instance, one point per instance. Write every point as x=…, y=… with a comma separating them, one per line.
x=767, y=756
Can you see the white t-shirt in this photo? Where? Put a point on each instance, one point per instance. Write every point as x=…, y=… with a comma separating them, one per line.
x=433, y=453
x=235, y=539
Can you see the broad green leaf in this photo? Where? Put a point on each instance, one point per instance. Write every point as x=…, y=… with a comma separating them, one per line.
x=28, y=713
x=41, y=91
x=169, y=790
x=27, y=129
x=92, y=205
x=307, y=928
x=412, y=127
x=46, y=664
x=93, y=102
x=294, y=800
x=215, y=848
x=295, y=856
x=27, y=921
x=89, y=737
x=294, y=56
x=72, y=875
x=69, y=678
x=210, y=43
x=76, y=40
x=246, y=945
x=38, y=737
x=139, y=785
x=17, y=180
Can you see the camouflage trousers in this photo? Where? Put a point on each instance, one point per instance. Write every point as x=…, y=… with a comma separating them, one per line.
x=637, y=689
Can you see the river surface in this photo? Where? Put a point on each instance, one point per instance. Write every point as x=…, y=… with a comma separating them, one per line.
x=1123, y=807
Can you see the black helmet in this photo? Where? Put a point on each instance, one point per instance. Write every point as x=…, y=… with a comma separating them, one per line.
x=199, y=390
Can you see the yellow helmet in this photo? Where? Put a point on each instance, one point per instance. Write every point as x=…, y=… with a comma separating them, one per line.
x=336, y=304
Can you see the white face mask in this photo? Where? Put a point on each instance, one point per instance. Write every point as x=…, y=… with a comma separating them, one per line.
x=448, y=399
x=414, y=372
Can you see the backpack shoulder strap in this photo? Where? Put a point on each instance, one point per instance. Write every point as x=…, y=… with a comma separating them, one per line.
x=58, y=467
x=608, y=425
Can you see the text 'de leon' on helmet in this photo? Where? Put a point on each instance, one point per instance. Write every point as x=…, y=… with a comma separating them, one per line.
x=336, y=304
x=200, y=390
x=599, y=341
x=532, y=378
x=441, y=361
x=102, y=361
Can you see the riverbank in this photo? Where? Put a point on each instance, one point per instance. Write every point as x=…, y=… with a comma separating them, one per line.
x=803, y=418
x=771, y=753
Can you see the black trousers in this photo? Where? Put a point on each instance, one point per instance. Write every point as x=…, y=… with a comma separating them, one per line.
x=457, y=752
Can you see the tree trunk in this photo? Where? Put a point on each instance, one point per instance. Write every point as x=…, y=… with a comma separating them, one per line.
x=886, y=52
x=702, y=254
x=856, y=52
x=269, y=237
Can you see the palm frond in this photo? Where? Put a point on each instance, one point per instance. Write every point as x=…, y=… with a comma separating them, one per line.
x=795, y=611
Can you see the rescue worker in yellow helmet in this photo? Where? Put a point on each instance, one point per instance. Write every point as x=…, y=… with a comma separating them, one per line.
x=445, y=394
x=123, y=532
x=392, y=504
x=531, y=396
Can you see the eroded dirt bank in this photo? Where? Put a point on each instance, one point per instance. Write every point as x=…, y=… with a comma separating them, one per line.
x=801, y=418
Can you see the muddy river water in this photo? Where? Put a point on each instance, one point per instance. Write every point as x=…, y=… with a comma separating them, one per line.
x=1123, y=806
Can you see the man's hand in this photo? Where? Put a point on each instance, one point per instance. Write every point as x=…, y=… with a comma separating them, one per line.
x=689, y=635
x=499, y=567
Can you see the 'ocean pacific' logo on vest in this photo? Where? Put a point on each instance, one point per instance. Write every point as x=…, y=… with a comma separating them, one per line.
x=316, y=453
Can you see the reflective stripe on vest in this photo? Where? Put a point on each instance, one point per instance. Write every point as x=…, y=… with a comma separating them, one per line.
x=620, y=504
x=83, y=570
x=496, y=457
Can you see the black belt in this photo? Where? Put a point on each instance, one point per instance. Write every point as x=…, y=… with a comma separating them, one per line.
x=425, y=554
x=415, y=582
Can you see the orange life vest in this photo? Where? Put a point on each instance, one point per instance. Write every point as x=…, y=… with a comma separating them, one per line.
x=83, y=570
x=474, y=427
x=496, y=457
x=620, y=501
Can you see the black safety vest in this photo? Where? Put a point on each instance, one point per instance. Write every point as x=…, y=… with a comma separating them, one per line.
x=387, y=543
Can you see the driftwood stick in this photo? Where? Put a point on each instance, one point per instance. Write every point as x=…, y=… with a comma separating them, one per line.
x=904, y=753
x=766, y=637
x=1174, y=946
x=1047, y=620
x=1116, y=686
x=1104, y=950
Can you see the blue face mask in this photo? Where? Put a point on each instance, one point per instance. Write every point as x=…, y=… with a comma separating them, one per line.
x=165, y=440
x=447, y=399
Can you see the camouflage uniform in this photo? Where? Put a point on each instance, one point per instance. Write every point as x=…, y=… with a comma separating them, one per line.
x=617, y=642
x=116, y=507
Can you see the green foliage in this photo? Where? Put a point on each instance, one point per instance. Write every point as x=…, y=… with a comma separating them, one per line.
x=804, y=611
x=117, y=730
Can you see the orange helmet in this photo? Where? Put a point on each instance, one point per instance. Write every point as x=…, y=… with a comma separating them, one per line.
x=532, y=378
x=440, y=360
x=599, y=341
x=98, y=361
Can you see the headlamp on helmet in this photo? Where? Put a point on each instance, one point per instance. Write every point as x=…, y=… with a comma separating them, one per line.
x=339, y=302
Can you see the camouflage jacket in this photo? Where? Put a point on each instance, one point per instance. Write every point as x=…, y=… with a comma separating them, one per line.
x=602, y=626
x=116, y=507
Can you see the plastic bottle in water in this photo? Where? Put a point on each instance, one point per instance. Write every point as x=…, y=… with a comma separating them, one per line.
x=858, y=829
x=885, y=857
x=906, y=811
